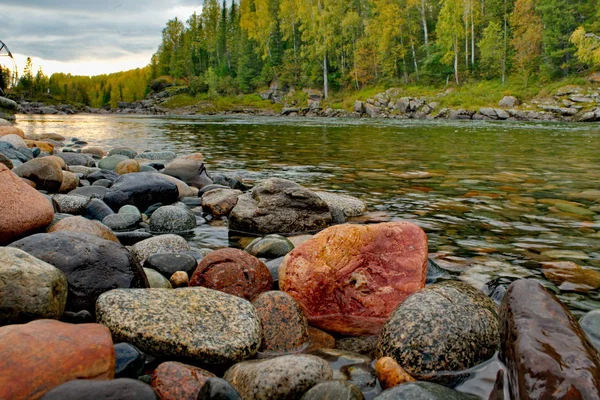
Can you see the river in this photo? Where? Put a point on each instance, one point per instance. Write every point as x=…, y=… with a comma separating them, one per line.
x=496, y=199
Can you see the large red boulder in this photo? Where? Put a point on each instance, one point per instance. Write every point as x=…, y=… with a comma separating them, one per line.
x=38, y=356
x=349, y=278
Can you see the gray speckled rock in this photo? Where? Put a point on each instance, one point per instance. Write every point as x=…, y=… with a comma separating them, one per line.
x=172, y=219
x=342, y=206
x=220, y=201
x=29, y=288
x=448, y=326
x=205, y=325
x=157, y=155
x=334, y=390
x=122, y=222
x=159, y=244
x=285, y=377
x=156, y=280
x=123, y=151
x=423, y=391
x=70, y=204
x=270, y=246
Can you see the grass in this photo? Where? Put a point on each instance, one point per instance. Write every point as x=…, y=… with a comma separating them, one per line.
x=214, y=103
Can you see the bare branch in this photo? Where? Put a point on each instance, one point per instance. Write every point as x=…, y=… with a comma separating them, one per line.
x=592, y=35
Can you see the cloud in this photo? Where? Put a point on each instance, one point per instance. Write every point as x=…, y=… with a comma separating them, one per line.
x=81, y=31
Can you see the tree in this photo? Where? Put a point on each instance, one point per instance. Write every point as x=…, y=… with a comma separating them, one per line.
x=450, y=31
x=491, y=59
x=527, y=39
x=588, y=47
x=26, y=80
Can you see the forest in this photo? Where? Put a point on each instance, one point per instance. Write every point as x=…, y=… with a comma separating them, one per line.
x=241, y=46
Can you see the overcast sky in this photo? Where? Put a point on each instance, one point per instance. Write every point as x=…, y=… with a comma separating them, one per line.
x=86, y=37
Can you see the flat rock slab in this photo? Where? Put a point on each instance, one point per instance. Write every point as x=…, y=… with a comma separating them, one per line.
x=349, y=278
x=547, y=354
x=204, y=325
x=40, y=355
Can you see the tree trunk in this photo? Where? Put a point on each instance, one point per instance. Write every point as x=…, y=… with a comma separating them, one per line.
x=325, y=77
x=472, y=38
x=456, y=59
x=414, y=54
x=425, y=31
x=504, y=55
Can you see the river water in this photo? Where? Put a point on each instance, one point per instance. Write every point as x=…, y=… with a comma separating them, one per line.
x=496, y=199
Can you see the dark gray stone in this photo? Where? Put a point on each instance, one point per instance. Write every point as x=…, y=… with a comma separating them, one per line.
x=91, y=192
x=122, y=222
x=423, y=391
x=334, y=390
x=218, y=389
x=169, y=263
x=86, y=389
x=97, y=209
x=172, y=219
x=129, y=361
x=141, y=190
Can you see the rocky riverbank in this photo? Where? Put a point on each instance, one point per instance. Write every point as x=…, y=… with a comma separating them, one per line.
x=102, y=296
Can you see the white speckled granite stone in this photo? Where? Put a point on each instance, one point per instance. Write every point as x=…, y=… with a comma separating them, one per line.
x=204, y=325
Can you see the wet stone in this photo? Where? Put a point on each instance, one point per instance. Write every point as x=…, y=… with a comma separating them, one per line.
x=68, y=204
x=423, y=391
x=122, y=222
x=270, y=246
x=172, y=219
x=390, y=374
x=156, y=280
x=129, y=361
x=84, y=225
x=590, y=323
x=169, y=263
x=334, y=390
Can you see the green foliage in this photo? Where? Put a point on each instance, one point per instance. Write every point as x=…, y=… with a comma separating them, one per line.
x=491, y=58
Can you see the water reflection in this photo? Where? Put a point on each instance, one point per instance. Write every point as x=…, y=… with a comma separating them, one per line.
x=496, y=199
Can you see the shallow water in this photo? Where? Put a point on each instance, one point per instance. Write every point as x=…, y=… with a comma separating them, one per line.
x=496, y=199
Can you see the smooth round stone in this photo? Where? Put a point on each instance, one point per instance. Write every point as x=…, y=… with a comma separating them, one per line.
x=111, y=162
x=156, y=280
x=177, y=381
x=86, y=389
x=172, y=219
x=127, y=167
x=273, y=266
x=334, y=390
x=208, y=188
x=26, y=152
x=179, y=279
x=102, y=174
x=219, y=328
x=159, y=244
x=122, y=222
x=423, y=391
x=233, y=271
x=169, y=263
x=390, y=373
x=94, y=151
x=46, y=173
x=97, y=210
x=29, y=288
x=156, y=155
x=446, y=327
x=218, y=389
x=343, y=206
x=340, y=361
x=133, y=237
x=91, y=192
x=70, y=204
x=128, y=209
x=123, y=151
x=270, y=246
x=285, y=377
x=92, y=265
x=129, y=361
x=84, y=225
x=141, y=190
x=102, y=182
x=590, y=323
x=70, y=182
x=147, y=168
x=16, y=140
x=284, y=325
x=77, y=159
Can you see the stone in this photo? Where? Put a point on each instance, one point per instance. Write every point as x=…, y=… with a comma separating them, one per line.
x=334, y=390
x=177, y=381
x=220, y=202
x=47, y=174
x=92, y=265
x=179, y=279
x=38, y=356
x=357, y=344
x=279, y=206
x=423, y=391
x=127, y=167
x=70, y=182
x=122, y=222
x=16, y=140
x=118, y=389
x=122, y=151
x=186, y=169
x=233, y=271
x=270, y=246
x=169, y=263
x=110, y=163
x=319, y=340
x=11, y=130
x=446, y=327
x=23, y=210
x=349, y=278
x=571, y=277
x=172, y=219
x=84, y=225
x=182, y=187
x=94, y=151
x=284, y=325
x=6, y=161
x=546, y=352
x=141, y=190
x=133, y=237
x=97, y=210
x=102, y=174
x=77, y=159
x=285, y=377
x=156, y=280
x=390, y=374
x=29, y=288
x=508, y=102
x=590, y=323
x=129, y=361
x=157, y=155
x=219, y=328
x=91, y=192
x=44, y=145
x=343, y=206
x=218, y=389
x=70, y=204
x=159, y=244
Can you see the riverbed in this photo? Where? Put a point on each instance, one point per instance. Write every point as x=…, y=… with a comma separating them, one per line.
x=497, y=199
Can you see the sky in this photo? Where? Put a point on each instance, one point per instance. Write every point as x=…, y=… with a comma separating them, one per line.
x=84, y=37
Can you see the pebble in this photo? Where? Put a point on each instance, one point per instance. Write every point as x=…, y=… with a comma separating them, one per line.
x=122, y=222
x=70, y=182
x=590, y=323
x=218, y=389
x=70, y=204
x=97, y=210
x=156, y=280
x=390, y=373
x=270, y=246
x=129, y=361
x=220, y=202
x=179, y=279
x=127, y=167
x=118, y=389
x=110, y=163
x=177, y=381
x=122, y=151
x=159, y=244
x=45, y=173
x=141, y=190
x=172, y=219
x=170, y=263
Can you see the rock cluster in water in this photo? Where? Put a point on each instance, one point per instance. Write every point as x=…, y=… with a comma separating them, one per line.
x=102, y=296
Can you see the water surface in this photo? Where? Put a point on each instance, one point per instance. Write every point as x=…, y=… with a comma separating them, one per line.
x=496, y=199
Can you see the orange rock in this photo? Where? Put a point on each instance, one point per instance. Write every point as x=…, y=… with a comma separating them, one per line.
x=11, y=130
x=177, y=381
x=349, y=278
x=38, y=356
x=572, y=277
x=390, y=373
x=179, y=279
x=127, y=167
x=84, y=225
x=43, y=146
x=319, y=340
x=22, y=208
